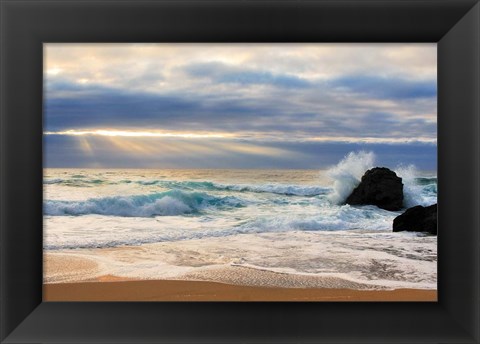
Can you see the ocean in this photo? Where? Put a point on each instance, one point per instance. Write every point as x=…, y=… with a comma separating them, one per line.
x=187, y=221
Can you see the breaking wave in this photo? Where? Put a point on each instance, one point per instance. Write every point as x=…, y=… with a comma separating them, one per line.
x=279, y=189
x=348, y=172
x=174, y=202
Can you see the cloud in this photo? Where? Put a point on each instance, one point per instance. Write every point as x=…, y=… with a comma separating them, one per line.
x=222, y=73
x=154, y=67
x=257, y=94
x=84, y=108
x=382, y=87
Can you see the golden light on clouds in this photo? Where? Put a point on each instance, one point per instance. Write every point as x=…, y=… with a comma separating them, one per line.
x=252, y=149
x=54, y=71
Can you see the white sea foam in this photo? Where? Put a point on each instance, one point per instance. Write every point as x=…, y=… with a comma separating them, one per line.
x=96, y=230
x=391, y=260
x=275, y=220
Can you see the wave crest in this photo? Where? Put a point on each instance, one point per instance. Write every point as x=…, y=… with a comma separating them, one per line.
x=174, y=202
x=280, y=189
x=76, y=181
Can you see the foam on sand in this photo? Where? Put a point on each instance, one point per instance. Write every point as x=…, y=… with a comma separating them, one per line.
x=317, y=259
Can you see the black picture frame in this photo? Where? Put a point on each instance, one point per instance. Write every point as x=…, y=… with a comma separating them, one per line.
x=27, y=24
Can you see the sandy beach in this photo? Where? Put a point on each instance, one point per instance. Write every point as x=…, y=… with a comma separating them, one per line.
x=168, y=290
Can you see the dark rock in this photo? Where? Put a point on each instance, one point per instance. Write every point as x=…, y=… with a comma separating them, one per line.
x=381, y=187
x=417, y=219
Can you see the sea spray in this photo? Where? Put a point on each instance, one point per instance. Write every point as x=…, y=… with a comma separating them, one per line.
x=347, y=174
x=414, y=193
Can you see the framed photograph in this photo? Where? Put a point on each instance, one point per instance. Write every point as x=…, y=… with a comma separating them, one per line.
x=240, y=172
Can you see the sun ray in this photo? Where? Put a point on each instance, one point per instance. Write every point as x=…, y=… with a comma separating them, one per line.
x=85, y=145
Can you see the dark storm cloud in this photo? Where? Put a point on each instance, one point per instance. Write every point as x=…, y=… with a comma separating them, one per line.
x=72, y=106
x=85, y=107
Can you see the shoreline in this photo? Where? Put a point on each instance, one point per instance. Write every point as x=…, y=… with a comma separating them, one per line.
x=109, y=288
x=287, y=260
x=246, y=267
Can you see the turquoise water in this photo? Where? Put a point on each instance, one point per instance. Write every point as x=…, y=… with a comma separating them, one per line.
x=105, y=208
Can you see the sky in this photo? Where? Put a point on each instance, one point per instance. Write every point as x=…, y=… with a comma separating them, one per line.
x=238, y=105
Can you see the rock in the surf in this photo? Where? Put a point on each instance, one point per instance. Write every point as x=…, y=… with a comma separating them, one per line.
x=379, y=186
x=417, y=219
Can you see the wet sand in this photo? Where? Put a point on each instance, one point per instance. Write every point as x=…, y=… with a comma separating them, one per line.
x=107, y=289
